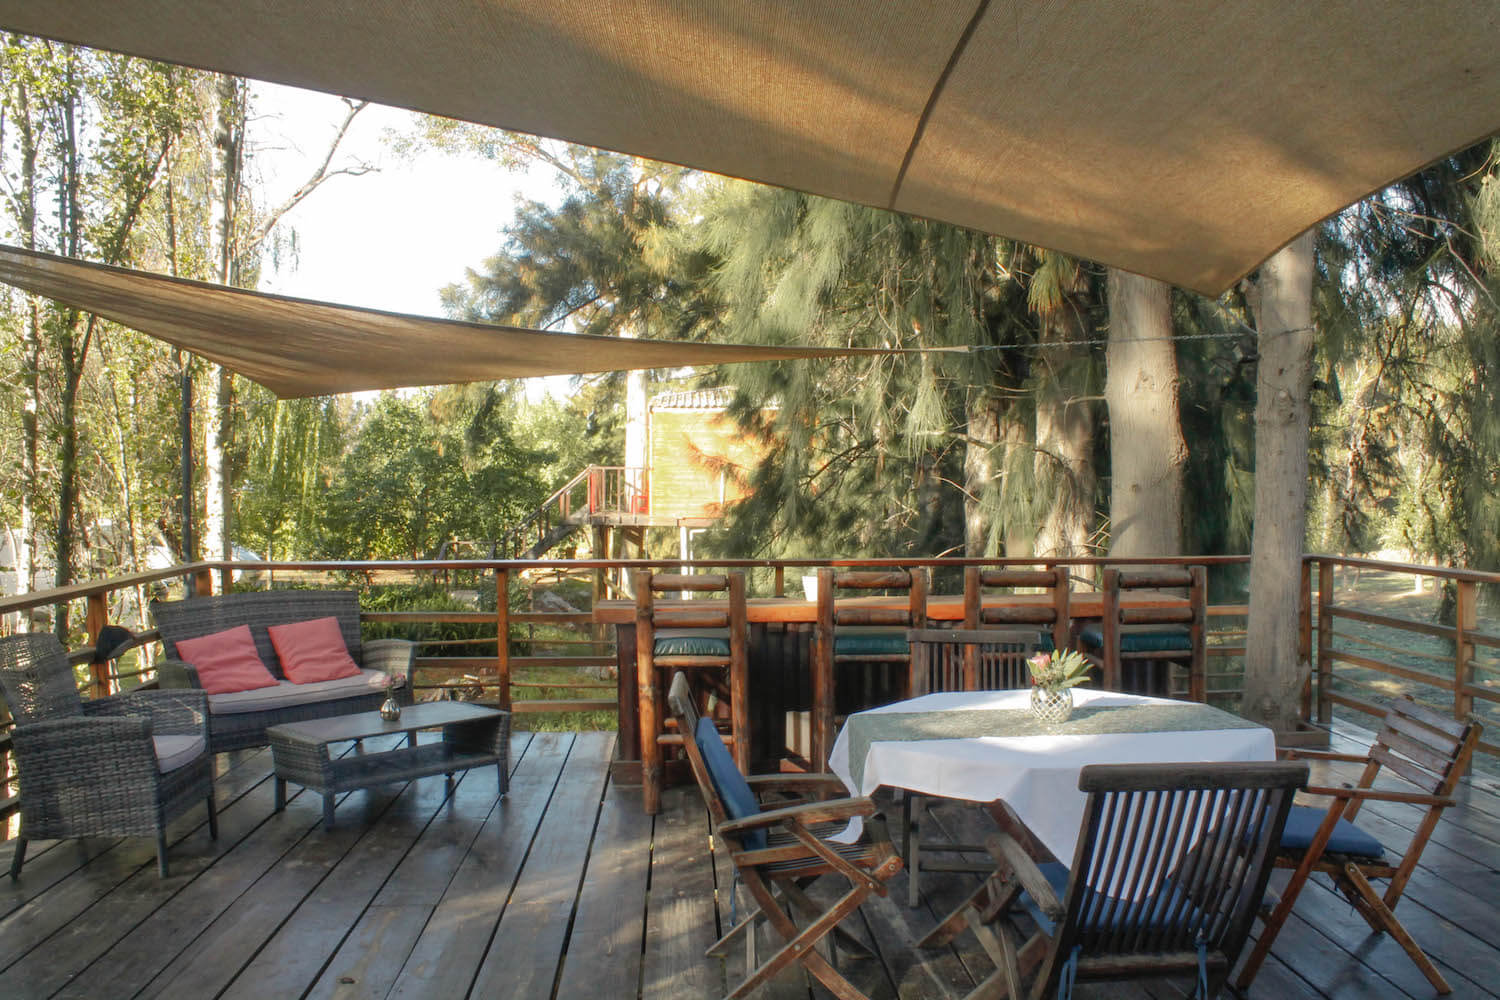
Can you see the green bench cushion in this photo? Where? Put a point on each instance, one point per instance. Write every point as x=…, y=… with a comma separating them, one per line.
x=1165, y=639
x=696, y=644
x=870, y=643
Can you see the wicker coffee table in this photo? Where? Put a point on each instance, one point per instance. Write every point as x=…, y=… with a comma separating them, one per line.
x=473, y=736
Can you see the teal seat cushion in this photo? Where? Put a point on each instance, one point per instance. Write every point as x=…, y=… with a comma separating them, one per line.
x=870, y=643
x=1349, y=840
x=734, y=791
x=1156, y=640
x=702, y=644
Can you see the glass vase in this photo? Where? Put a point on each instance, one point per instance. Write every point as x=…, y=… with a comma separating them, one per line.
x=390, y=711
x=1051, y=706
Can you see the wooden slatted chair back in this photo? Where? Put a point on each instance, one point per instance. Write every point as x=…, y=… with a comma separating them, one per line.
x=1429, y=751
x=1193, y=615
x=720, y=661
x=1171, y=866
x=970, y=659
x=839, y=607
x=1055, y=614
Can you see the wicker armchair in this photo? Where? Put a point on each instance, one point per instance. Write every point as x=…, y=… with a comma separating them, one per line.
x=121, y=766
x=199, y=616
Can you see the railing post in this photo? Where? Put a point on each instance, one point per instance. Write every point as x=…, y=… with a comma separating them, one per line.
x=95, y=617
x=1463, y=650
x=648, y=711
x=1304, y=636
x=780, y=587
x=226, y=579
x=203, y=583
x=502, y=635
x=1325, y=642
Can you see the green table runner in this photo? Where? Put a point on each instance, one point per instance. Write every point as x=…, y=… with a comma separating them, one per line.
x=880, y=727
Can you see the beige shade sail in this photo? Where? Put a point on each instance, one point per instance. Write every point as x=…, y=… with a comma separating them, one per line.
x=295, y=347
x=1185, y=141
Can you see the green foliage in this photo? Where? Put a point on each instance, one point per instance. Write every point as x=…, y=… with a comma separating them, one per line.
x=423, y=470
x=866, y=456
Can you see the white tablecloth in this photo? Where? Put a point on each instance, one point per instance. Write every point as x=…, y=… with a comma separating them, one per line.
x=1037, y=776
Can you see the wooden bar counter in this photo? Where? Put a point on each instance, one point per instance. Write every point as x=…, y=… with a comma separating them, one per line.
x=781, y=661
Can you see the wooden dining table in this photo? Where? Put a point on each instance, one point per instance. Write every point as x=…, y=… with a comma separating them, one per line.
x=781, y=632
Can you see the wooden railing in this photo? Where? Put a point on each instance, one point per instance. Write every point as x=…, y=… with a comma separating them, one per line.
x=598, y=489
x=1364, y=658
x=1355, y=671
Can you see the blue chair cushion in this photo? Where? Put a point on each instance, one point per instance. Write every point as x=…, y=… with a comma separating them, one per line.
x=870, y=643
x=739, y=801
x=1152, y=911
x=691, y=645
x=1166, y=639
x=1349, y=840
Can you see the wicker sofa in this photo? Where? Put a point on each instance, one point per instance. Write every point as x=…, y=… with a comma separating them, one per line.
x=239, y=720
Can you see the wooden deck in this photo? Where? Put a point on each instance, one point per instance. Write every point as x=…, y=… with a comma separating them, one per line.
x=564, y=889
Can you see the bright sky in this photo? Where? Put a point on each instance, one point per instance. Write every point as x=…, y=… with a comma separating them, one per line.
x=389, y=239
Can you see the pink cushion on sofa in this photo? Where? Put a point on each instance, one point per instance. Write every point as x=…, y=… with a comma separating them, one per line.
x=226, y=661
x=312, y=651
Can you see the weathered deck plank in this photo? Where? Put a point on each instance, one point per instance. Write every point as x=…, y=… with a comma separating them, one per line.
x=681, y=920
x=604, y=952
x=565, y=890
x=523, y=959
x=452, y=945
x=368, y=962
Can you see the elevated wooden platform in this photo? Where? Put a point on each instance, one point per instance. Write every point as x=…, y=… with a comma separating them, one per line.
x=564, y=889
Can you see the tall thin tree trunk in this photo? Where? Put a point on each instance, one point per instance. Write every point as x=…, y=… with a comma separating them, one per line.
x=31, y=358
x=1282, y=302
x=70, y=224
x=1147, y=452
x=1065, y=435
x=1018, y=445
x=228, y=151
x=981, y=472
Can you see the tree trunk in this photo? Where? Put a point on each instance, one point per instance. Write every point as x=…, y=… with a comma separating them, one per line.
x=1282, y=303
x=31, y=359
x=981, y=450
x=69, y=226
x=1147, y=453
x=1065, y=436
x=228, y=149
x=1018, y=506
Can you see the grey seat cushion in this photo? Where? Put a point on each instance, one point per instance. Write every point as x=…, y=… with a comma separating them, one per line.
x=286, y=693
x=174, y=751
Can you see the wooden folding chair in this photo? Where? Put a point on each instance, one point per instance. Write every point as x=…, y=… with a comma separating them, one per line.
x=872, y=637
x=958, y=660
x=1135, y=647
x=710, y=641
x=1426, y=750
x=1171, y=865
x=778, y=847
